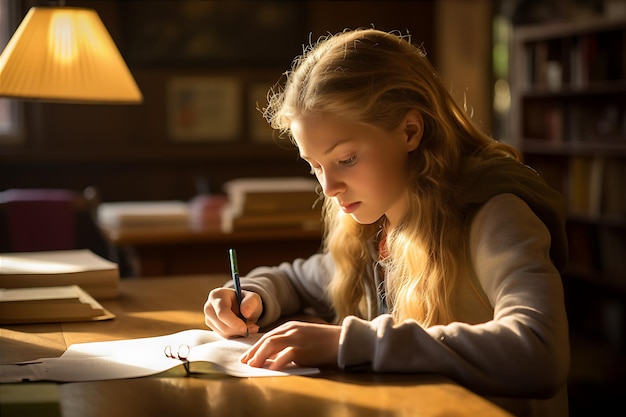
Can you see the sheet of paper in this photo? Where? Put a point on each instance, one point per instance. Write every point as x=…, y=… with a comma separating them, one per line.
x=143, y=357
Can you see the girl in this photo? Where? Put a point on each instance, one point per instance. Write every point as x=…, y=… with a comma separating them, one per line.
x=441, y=250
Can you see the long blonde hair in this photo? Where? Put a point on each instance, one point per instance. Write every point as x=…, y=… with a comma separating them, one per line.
x=376, y=77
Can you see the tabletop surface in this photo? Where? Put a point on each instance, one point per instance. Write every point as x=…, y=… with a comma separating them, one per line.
x=157, y=306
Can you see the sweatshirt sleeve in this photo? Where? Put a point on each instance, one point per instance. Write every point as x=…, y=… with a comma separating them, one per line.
x=522, y=351
x=291, y=288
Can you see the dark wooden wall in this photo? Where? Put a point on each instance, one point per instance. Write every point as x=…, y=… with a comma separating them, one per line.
x=126, y=152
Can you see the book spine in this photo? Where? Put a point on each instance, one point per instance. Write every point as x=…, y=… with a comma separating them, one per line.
x=304, y=221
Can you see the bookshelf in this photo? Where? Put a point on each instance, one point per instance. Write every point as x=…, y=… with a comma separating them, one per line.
x=568, y=117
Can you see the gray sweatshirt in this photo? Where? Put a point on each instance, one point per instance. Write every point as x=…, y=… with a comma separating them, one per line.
x=510, y=343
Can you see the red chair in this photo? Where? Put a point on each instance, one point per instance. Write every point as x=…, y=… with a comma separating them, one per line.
x=44, y=219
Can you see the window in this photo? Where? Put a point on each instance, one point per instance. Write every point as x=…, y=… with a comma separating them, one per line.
x=10, y=110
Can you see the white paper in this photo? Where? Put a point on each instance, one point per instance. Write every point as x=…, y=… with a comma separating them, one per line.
x=134, y=358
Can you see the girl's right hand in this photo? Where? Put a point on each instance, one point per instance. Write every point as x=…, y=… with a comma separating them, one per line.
x=221, y=312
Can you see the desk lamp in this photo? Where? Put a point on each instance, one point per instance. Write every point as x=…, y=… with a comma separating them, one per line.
x=65, y=54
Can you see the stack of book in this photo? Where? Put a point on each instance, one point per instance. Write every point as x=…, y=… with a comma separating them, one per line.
x=96, y=275
x=49, y=304
x=122, y=214
x=262, y=203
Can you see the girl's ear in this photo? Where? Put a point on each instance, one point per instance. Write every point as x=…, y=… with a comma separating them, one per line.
x=413, y=129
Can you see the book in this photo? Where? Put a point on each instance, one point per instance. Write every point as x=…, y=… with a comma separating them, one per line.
x=143, y=213
x=261, y=203
x=613, y=186
x=311, y=220
x=94, y=274
x=278, y=201
x=49, y=304
x=585, y=185
x=190, y=352
x=579, y=185
x=251, y=195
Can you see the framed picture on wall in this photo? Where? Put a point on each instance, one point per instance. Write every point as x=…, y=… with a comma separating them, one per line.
x=218, y=33
x=204, y=109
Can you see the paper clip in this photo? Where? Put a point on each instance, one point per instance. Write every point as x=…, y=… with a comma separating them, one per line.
x=181, y=354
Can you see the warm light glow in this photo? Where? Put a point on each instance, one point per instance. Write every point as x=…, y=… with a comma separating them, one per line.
x=62, y=39
x=65, y=54
x=501, y=96
x=193, y=318
x=16, y=265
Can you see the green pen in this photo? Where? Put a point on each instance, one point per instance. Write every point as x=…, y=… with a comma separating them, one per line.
x=234, y=269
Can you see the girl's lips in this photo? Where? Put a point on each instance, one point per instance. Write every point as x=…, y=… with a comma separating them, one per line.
x=350, y=208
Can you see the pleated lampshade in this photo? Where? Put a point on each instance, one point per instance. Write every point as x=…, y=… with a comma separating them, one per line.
x=65, y=54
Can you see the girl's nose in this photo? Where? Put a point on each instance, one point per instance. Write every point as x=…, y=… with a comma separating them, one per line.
x=331, y=185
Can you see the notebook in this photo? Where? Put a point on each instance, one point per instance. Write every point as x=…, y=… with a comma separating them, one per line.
x=202, y=351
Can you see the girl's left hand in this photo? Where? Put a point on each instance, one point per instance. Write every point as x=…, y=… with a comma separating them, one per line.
x=305, y=344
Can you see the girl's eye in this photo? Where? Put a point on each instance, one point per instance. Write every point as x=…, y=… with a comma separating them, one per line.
x=348, y=162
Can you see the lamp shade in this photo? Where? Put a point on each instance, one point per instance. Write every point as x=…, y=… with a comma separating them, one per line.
x=65, y=54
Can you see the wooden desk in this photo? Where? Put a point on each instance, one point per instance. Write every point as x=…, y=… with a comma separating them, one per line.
x=181, y=250
x=156, y=306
